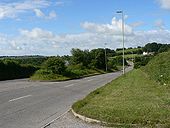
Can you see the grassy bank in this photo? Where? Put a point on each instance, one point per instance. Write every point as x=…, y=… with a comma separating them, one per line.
x=159, y=68
x=131, y=100
x=46, y=75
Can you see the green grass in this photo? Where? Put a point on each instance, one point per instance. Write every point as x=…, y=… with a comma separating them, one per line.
x=159, y=68
x=129, y=56
x=133, y=100
x=129, y=50
x=46, y=75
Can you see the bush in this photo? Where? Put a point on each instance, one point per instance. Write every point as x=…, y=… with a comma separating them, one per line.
x=118, y=61
x=11, y=70
x=111, y=65
x=76, y=71
x=141, y=61
x=55, y=64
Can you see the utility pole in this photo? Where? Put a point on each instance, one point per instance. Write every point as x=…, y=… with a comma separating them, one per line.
x=123, y=39
x=105, y=57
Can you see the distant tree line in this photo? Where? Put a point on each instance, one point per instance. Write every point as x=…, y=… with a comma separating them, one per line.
x=156, y=47
x=9, y=69
x=80, y=63
x=153, y=48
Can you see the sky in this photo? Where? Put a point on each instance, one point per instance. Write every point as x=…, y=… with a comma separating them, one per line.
x=54, y=27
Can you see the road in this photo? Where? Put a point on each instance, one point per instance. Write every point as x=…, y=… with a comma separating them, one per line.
x=26, y=104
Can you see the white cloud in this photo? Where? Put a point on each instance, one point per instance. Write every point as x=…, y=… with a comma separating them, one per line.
x=39, y=41
x=114, y=28
x=165, y=4
x=12, y=10
x=52, y=15
x=37, y=33
x=39, y=13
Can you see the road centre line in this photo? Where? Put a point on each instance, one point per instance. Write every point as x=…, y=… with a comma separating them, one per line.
x=69, y=85
x=19, y=98
x=90, y=80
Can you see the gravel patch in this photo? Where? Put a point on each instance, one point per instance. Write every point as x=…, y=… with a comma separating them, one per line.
x=70, y=121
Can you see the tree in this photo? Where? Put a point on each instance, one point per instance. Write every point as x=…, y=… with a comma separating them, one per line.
x=152, y=47
x=110, y=53
x=81, y=57
x=98, y=58
x=164, y=48
x=55, y=64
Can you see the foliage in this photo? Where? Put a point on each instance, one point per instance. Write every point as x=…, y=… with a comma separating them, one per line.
x=98, y=58
x=129, y=51
x=118, y=60
x=35, y=61
x=80, y=56
x=164, y=48
x=11, y=70
x=55, y=64
x=141, y=61
x=156, y=47
x=44, y=74
x=112, y=65
x=110, y=53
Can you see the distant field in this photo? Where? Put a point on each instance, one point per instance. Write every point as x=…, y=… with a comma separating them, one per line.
x=129, y=50
x=129, y=56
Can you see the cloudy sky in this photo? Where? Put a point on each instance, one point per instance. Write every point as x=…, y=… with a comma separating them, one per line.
x=53, y=27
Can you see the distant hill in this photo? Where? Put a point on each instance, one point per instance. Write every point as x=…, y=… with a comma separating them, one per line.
x=159, y=68
x=23, y=57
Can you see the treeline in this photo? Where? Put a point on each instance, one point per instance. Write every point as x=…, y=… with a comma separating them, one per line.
x=9, y=69
x=130, y=50
x=153, y=49
x=156, y=47
x=35, y=61
x=80, y=63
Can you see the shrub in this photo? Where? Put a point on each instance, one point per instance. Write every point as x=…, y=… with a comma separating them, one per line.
x=55, y=64
x=141, y=61
x=9, y=69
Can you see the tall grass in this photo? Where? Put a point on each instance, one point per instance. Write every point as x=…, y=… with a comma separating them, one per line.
x=159, y=68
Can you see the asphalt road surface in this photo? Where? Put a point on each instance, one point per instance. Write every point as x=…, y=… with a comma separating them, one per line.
x=25, y=104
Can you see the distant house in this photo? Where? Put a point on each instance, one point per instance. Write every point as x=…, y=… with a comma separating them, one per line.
x=145, y=53
x=148, y=53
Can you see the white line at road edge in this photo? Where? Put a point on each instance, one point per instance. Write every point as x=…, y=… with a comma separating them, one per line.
x=48, y=124
x=69, y=85
x=19, y=98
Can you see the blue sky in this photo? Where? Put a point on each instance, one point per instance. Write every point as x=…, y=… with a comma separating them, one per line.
x=53, y=27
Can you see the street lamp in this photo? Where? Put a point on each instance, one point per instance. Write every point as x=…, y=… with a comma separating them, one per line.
x=123, y=39
x=105, y=57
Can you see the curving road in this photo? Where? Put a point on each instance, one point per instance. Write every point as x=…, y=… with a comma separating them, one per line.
x=25, y=104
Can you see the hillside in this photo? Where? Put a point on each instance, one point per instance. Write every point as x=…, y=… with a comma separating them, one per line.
x=134, y=100
x=159, y=68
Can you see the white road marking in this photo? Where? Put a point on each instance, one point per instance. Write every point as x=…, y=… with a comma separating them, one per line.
x=48, y=124
x=19, y=98
x=69, y=85
x=90, y=80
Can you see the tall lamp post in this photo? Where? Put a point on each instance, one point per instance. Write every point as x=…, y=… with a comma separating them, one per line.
x=105, y=56
x=123, y=39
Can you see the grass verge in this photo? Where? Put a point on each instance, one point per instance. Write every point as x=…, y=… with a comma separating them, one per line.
x=133, y=100
x=47, y=75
